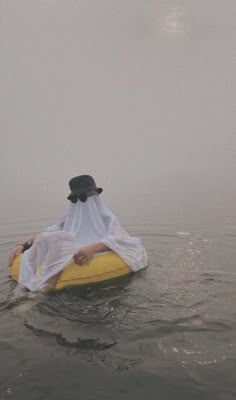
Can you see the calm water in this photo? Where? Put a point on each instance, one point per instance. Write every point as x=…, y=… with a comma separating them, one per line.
x=167, y=332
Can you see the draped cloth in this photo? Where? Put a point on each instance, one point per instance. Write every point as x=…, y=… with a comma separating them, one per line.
x=82, y=225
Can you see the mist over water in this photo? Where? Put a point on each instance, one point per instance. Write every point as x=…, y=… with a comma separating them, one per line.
x=140, y=94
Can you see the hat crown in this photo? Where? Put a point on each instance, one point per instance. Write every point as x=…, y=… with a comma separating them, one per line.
x=82, y=182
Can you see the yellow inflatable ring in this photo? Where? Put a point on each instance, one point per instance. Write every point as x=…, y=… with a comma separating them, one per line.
x=103, y=267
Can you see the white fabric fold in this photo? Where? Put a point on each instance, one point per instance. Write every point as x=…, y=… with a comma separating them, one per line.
x=82, y=225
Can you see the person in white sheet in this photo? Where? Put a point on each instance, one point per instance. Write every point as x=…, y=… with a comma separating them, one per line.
x=87, y=229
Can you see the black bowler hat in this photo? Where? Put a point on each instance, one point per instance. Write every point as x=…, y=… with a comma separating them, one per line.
x=81, y=187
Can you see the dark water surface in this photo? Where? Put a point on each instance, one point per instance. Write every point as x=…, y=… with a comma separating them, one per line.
x=167, y=332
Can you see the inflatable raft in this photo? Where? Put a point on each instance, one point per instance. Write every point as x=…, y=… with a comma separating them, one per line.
x=102, y=268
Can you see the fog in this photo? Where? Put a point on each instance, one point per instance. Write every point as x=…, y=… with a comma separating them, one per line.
x=139, y=93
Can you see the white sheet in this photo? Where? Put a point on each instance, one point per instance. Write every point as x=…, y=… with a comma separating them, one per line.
x=83, y=224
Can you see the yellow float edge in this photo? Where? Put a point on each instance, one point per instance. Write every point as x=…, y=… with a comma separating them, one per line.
x=102, y=268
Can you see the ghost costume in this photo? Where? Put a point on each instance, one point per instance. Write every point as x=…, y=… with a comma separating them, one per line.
x=83, y=224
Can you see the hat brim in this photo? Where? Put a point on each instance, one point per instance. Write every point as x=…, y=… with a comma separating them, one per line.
x=73, y=195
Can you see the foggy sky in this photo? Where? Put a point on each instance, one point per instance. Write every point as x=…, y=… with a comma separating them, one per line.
x=139, y=93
